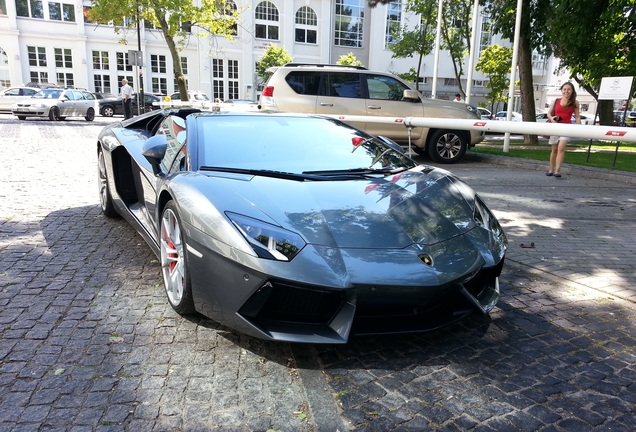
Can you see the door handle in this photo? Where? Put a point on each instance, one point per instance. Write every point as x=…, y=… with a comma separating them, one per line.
x=374, y=107
x=326, y=104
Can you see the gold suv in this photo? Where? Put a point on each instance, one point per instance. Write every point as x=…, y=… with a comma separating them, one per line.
x=355, y=90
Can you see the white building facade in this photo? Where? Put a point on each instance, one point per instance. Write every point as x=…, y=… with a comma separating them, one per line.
x=53, y=42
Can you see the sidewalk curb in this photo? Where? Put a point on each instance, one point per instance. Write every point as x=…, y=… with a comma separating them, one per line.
x=587, y=172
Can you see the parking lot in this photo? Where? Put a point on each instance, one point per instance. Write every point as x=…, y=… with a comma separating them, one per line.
x=89, y=341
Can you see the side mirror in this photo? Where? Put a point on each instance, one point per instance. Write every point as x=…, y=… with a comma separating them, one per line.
x=411, y=95
x=154, y=149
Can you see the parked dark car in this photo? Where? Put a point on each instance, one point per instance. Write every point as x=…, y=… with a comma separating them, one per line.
x=114, y=106
x=297, y=227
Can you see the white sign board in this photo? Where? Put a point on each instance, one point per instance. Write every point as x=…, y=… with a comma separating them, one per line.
x=615, y=88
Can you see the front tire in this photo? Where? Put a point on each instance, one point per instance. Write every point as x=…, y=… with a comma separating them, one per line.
x=105, y=198
x=54, y=114
x=21, y=117
x=447, y=146
x=90, y=114
x=174, y=264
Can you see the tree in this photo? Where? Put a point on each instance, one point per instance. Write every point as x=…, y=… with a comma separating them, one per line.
x=418, y=40
x=532, y=36
x=273, y=56
x=456, y=31
x=495, y=61
x=349, y=60
x=175, y=18
x=455, y=28
x=595, y=39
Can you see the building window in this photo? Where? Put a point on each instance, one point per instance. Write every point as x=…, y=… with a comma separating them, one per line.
x=159, y=85
x=184, y=65
x=63, y=58
x=230, y=13
x=129, y=78
x=61, y=12
x=39, y=77
x=393, y=22
x=217, y=79
x=100, y=60
x=29, y=8
x=3, y=11
x=158, y=63
x=37, y=56
x=306, y=25
x=539, y=61
x=65, y=79
x=5, y=79
x=266, y=16
x=122, y=63
x=486, y=36
x=349, y=23
x=86, y=12
x=101, y=83
x=233, y=79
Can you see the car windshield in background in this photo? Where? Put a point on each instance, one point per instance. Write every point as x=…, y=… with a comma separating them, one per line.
x=294, y=145
x=48, y=94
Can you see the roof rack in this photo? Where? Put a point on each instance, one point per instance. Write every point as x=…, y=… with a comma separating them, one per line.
x=325, y=65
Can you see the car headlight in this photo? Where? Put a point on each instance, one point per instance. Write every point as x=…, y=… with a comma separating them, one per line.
x=268, y=241
x=485, y=218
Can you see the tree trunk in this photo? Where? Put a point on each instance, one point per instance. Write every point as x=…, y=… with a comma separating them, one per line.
x=526, y=82
x=176, y=60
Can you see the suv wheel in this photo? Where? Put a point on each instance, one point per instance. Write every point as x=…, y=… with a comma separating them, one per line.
x=447, y=146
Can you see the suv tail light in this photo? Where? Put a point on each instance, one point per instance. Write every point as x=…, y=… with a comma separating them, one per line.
x=268, y=91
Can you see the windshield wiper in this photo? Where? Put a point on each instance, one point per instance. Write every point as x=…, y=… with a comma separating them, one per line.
x=263, y=173
x=357, y=171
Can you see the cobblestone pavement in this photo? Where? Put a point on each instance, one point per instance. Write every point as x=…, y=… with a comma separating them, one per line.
x=88, y=341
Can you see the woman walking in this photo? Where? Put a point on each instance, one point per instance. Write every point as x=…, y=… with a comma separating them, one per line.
x=561, y=111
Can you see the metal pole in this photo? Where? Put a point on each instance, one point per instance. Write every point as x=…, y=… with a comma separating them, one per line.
x=473, y=51
x=437, y=45
x=513, y=73
x=140, y=98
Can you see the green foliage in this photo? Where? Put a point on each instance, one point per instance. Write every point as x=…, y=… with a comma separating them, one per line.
x=496, y=61
x=349, y=60
x=410, y=76
x=272, y=57
x=176, y=19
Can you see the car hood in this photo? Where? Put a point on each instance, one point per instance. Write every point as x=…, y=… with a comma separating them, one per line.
x=420, y=206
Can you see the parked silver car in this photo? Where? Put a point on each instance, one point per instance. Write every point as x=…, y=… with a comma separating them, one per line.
x=57, y=104
x=11, y=96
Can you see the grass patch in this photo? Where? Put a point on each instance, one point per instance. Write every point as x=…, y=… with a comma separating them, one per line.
x=601, y=154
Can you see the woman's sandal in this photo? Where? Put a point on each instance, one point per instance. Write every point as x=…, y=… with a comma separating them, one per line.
x=557, y=175
x=549, y=174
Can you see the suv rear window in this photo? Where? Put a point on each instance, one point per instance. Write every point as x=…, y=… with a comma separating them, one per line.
x=304, y=83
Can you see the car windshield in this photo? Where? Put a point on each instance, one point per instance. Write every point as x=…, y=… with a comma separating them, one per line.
x=48, y=94
x=294, y=145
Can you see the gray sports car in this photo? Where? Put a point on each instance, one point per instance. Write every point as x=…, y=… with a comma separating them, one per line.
x=297, y=227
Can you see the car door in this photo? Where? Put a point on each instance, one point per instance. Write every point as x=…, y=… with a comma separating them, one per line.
x=342, y=93
x=173, y=127
x=385, y=99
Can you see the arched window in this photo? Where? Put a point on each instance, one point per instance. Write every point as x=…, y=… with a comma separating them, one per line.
x=266, y=17
x=230, y=12
x=306, y=25
x=5, y=79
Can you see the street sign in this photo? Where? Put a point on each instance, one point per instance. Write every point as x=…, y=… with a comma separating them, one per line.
x=615, y=88
x=135, y=58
